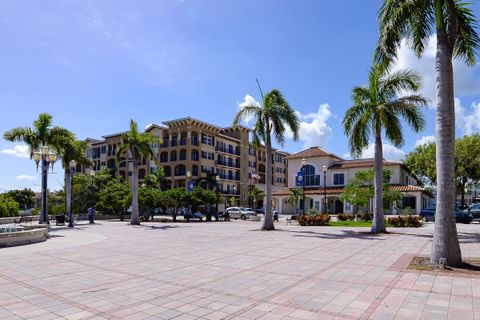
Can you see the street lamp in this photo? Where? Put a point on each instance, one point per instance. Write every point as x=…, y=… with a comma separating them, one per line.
x=47, y=158
x=73, y=165
x=324, y=189
x=217, y=179
x=304, y=163
x=189, y=175
x=92, y=190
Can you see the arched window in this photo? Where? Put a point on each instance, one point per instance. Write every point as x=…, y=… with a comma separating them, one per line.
x=183, y=155
x=173, y=155
x=164, y=156
x=168, y=171
x=194, y=170
x=311, y=179
x=195, y=155
x=183, y=138
x=180, y=170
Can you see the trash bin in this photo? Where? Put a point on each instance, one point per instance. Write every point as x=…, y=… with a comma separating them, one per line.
x=60, y=220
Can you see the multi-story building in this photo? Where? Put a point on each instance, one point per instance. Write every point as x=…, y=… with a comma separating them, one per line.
x=321, y=172
x=205, y=150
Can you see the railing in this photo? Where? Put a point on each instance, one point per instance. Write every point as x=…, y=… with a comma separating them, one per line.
x=226, y=150
x=228, y=163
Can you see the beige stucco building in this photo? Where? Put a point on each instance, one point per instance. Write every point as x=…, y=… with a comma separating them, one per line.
x=338, y=173
x=191, y=145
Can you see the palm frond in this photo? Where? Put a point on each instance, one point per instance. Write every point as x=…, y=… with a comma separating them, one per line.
x=467, y=40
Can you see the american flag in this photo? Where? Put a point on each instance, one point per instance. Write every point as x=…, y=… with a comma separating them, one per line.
x=253, y=175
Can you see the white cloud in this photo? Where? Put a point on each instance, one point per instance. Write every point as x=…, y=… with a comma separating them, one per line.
x=19, y=150
x=26, y=177
x=468, y=123
x=314, y=130
x=424, y=140
x=466, y=81
x=247, y=101
x=390, y=152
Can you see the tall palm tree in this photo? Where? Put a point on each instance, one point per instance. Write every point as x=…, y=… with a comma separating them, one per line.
x=295, y=195
x=376, y=107
x=137, y=145
x=71, y=149
x=274, y=116
x=41, y=134
x=455, y=26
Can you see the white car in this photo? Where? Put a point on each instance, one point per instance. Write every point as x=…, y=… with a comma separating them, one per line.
x=239, y=213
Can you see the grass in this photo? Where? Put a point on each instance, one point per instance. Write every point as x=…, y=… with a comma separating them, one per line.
x=350, y=223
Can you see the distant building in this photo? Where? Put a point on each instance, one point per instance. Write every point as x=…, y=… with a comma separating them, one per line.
x=338, y=175
x=202, y=148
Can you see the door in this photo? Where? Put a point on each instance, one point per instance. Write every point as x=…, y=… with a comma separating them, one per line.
x=338, y=206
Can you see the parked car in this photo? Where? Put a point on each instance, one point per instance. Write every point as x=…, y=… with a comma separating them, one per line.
x=239, y=213
x=260, y=211
x=429, y=214
x=193, y=215
x=474, y=210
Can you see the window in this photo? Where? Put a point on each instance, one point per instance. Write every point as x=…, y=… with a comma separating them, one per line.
x=410, y=202
x=338, y=179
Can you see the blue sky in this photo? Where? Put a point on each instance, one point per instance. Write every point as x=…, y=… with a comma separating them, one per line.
x=94, y=65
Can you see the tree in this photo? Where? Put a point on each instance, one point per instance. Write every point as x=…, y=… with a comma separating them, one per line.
x=455, y=26
x=379, y=106
x=295, y=195
x=114, y=197
x=273, y=116
x=149, y=199
x=174, y=199
x=71, y=150
x=137, y=145
x=8, y=206
x=156, y=178
x=422, y=162
x=255, y=193
x=360, y=190
x=42, y=134
x=25, y=198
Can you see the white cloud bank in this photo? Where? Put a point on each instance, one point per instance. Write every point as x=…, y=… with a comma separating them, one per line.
x=467, y=82
x=19, y=150
x=26, y=177
x=424, y=140
x=247, y=101
x=390, y=152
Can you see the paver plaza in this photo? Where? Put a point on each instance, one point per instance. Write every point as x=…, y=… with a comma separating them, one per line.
x=112, y=270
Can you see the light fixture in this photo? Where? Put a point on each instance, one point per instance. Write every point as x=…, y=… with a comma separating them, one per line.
x=304, y=162
x=37, y=156
x=189, y=174
x=45, y=150
x=73, y=164
x=324, y=168
x=217, y=178
x=92, y=173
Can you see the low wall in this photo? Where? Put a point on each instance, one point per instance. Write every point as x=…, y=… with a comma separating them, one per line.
x=26, y=236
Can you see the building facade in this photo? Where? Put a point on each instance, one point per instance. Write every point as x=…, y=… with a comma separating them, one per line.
x=326, y=173
x=205, y=150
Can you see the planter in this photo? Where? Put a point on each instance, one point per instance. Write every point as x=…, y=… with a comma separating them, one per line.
x=23, y=236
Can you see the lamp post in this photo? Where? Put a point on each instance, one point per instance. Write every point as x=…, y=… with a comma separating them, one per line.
x=73, y=165
x=92, y=191
x=189, y=175
x=234, y=194
x=304, y=163
x=217, y=179
x=47, y=158
x=324, y=189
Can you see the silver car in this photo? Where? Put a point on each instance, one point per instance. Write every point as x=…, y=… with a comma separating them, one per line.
x=239, y=213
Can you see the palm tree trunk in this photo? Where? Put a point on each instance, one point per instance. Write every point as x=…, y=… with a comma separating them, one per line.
x=135, y=217
x=378, y=225
x=445, y=239
x=68, y=191
x=268, y=221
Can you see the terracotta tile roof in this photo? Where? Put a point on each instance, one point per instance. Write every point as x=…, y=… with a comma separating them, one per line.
x=339, y=190
x=361, y=163
x=312, y=152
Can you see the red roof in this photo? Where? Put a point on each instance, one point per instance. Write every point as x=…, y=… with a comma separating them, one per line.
x=339, y=190
x=312, y=152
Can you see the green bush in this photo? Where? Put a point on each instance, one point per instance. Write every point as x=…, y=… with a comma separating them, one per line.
x=345, y=217
x=405, y=221
x=8, y=207
x=56, y=209
x=313, y=220
x=364, y=217
x=35, y=211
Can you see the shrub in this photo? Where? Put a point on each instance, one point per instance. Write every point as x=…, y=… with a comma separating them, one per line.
x=36, y=211
x=405, y=221
x=364, y=216
x=314, y=220
x=345, y=217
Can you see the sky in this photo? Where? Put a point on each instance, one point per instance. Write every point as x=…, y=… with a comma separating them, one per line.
x=95, y=64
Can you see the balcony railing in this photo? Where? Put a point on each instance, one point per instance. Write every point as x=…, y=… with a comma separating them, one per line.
x=227, y=150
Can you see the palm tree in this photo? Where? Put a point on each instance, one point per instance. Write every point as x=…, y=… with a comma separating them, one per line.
x=137, y=145
x=379, y=106
x=255, y=193
x=41, y=134
x=274, y=116
x=295, y=195
x=156, y=178
x=454, y=24
x=71, y=149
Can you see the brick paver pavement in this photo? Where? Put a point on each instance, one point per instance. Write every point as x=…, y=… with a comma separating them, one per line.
x=232, y=271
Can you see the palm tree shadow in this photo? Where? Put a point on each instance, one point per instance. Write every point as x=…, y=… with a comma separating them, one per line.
x=344, y=235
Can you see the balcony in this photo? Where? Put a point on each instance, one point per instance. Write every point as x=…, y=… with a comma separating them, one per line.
x=183, y=141
x=227, y=150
